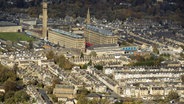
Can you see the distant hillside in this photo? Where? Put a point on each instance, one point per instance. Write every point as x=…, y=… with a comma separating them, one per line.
x=109, y=9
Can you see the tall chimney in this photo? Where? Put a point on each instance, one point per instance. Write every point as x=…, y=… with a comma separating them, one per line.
x=88, y=17
x=44, y=20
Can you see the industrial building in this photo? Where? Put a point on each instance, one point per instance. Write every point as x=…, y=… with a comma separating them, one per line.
x=95, y=35
x=6, y=26
x=66, y=39
x=64, y=91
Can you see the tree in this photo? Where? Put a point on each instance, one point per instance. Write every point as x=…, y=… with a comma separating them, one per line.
x=63, y=62
x=155, y=50
x=20, y=3
x=21, y=96
x=90, y=62
x=33, y=82
x=81, y=99
x=10, y=85
x=130, y=40
x=54, y=98
x=1, y=97
x=123, y=43
x=182, y=78
x=83, y=91
x=182, y=55
x=55, y=81
x=10, y=101
x=99, y=67
x=82, y=55
x=49, y=90
x=147, y=56
x=50, y=55
x=9, y=94
x=6, y=74
x=84, y=66
x=172, y=96
x=60, y=102
x=15, y=68
x=30, y=44
x=93, y=54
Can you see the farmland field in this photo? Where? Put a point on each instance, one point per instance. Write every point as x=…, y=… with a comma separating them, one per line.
x=15, y=36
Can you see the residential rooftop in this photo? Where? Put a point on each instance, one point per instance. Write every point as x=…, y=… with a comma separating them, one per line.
x=64, y=86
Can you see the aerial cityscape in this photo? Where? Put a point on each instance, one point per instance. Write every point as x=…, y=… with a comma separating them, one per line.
x=91, y=52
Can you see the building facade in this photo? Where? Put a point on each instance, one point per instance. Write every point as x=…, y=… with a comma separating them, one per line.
x=96, y=35
x=64, y=91
x=66, y=39
x=6, y=26
x=10, y=28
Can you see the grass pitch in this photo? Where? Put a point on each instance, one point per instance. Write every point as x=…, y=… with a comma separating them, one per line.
x=15, y=36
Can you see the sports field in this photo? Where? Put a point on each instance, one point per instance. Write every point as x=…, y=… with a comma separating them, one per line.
x=14, y=36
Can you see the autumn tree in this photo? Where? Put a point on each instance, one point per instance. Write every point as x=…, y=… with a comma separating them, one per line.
x=90, y=62
x=172, y=96
x=99, y=67
x=10, y=85
x=13, y=87
x=55, y=81
x=31, y=44
x=63, y=62
x=9, y=94
x=182, y=78
x=50, y=55
x=82, y=55
x=155, y=50
x=21, y=96
x=93, y=54
x=81, y=99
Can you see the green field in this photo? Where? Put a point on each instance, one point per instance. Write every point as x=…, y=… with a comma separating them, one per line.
x=15, y=36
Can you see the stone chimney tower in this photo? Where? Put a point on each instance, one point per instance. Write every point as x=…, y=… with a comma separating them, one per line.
x=88, y=17
x=44, y=20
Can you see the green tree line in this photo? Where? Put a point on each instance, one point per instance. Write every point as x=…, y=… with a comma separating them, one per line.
x=109, y=9
x=13, y=86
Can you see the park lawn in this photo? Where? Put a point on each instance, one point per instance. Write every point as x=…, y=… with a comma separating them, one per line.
x=15, y=36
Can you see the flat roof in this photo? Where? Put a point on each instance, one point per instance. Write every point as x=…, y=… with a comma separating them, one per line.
x=7, y=23
x=100, y=30
x=64, y=86
x=67, y=33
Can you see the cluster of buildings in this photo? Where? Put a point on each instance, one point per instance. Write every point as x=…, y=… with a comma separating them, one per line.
x=79, y=38
x=38, y=95
x=116, y=80
x=22, y=58
x=147, y=82
x=150, y=32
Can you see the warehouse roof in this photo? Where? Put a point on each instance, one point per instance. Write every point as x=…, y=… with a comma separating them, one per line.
x=7, y=23
x=67, y=33
x=100, y=30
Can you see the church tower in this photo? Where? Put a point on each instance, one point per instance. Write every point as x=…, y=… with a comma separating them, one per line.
x=44, y=20
x=88, y=17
